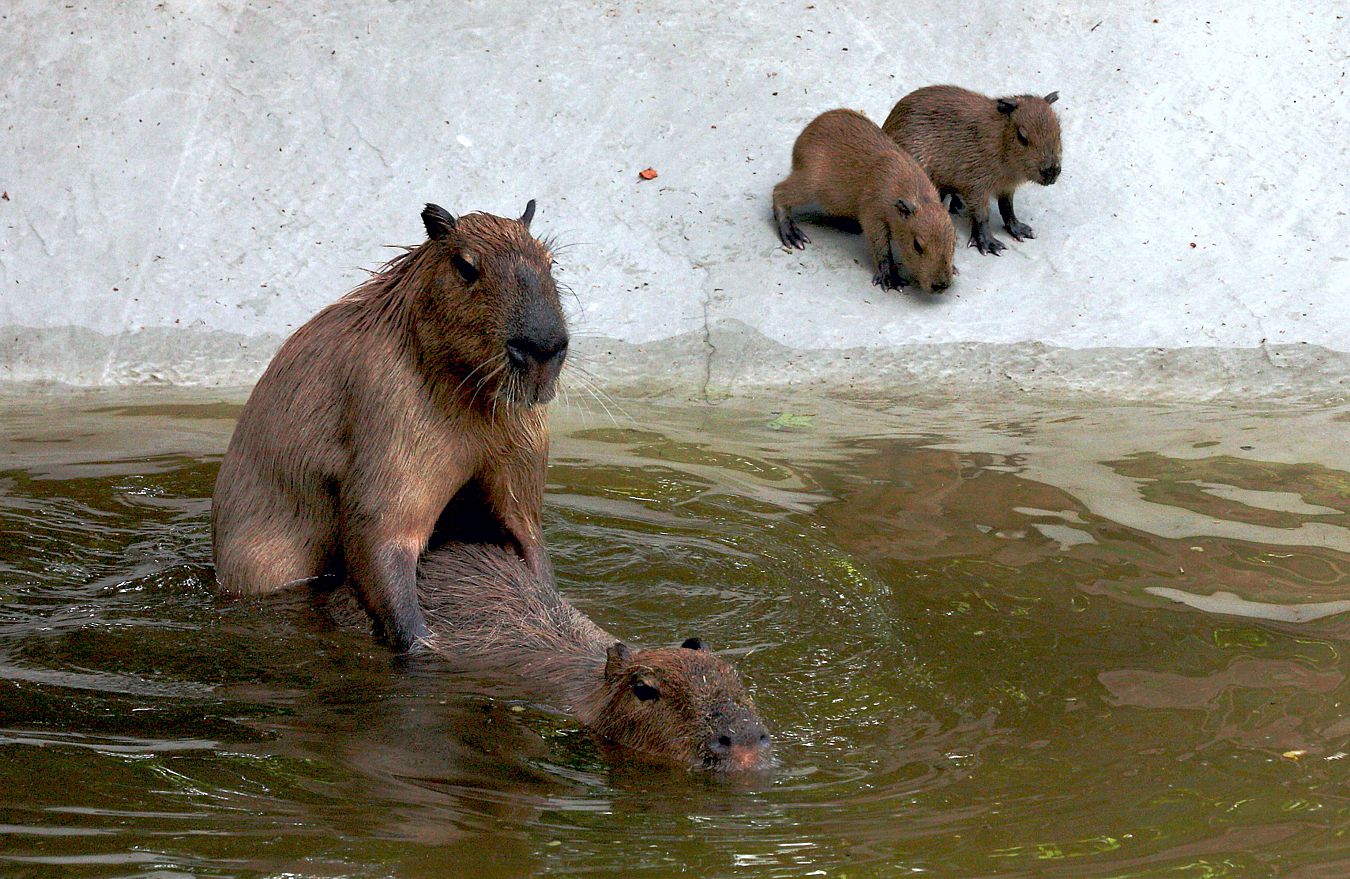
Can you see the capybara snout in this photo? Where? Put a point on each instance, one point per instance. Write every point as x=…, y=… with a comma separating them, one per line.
x=535, y=352
x=740, y=741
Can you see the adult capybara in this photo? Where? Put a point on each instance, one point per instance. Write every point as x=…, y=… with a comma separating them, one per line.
x=844, y=163
x=412, y=407
x=487, y=610
x=974, y=147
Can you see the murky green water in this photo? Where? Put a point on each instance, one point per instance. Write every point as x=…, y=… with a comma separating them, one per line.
x=987, y=638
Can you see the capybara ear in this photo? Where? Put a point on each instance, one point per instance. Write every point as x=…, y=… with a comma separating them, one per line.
x=692, y=644
x=904, y=207
x=617, y=658
x=1006, y=105
x=1052, y=97
x=438, y=221
x=528, y=215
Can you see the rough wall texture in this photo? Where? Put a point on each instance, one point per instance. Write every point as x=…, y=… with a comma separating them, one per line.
x=187, y=182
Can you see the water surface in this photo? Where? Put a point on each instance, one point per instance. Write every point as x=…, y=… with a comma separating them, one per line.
x=992, y=640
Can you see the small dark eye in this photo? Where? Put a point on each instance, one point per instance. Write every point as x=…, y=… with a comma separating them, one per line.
x=918, y=248
x=1022, y=137
x=646, y=692
x=466, y=269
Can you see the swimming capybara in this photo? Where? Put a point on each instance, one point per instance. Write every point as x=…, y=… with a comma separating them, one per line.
x=487, y=610
x=975, y=147
x=411, y=408
x=843, y=162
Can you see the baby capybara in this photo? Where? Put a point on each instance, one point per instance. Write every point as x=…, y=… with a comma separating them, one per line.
x=487, y=610
x=411, y=407
x=975, y=147
x=843, y=162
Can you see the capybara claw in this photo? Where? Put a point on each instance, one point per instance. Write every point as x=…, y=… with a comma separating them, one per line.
x=1019, y=230
x=888, y=277
x=987, y=244
x=793, y=237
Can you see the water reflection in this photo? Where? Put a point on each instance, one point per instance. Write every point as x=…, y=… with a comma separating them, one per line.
x=991, y=641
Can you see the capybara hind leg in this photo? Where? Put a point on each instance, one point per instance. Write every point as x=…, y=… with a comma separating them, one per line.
x=259, y=562
x=1015, y=227
x=980, y=237
x=786, y=196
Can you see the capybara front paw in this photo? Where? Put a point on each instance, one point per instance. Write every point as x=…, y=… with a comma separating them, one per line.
x=889, y=277
x=882, y=278
x=1019, y=230
x=410, y=636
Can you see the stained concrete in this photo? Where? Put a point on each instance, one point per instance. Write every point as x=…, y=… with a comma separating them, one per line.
x=188, y=182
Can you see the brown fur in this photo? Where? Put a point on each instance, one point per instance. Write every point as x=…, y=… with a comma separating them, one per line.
x=970, y=147
x=846, y=164
x=395, y=414
x=487, y=610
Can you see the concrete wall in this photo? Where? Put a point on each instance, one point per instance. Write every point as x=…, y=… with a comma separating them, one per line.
x=187, y=182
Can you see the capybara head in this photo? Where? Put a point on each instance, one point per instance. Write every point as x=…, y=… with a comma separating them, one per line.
x=681, y=704
x=925, y=242
x=1031, y=136
x=496, y=311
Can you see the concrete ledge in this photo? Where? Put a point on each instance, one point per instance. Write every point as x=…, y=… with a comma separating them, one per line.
x=732, y=359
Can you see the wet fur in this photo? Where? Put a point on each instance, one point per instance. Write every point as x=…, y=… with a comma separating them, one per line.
x=969, y=148
x=385, y=423
x=486, y=610
x=843, y=162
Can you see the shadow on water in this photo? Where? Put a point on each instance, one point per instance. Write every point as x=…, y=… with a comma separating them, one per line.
x=991, y=642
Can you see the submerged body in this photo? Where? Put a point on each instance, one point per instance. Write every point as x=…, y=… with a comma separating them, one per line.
x=976, y=147
x=843, y=162
x=486, y=609
x=410, y=409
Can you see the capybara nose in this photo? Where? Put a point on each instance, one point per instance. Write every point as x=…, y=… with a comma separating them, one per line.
x=740, y=738
x=939, y=286
x=522, y=350
x=1049, y=174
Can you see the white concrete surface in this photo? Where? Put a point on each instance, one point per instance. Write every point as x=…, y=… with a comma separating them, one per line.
x=189, y=181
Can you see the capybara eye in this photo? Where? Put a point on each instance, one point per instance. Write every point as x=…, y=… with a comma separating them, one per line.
x=1022, y=137
x=467, y=270
x=692, y=644
x=918, y=248
x=646, y=692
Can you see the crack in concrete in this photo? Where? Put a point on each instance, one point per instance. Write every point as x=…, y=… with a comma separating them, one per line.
x=709, y=348
x=1237, y=299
